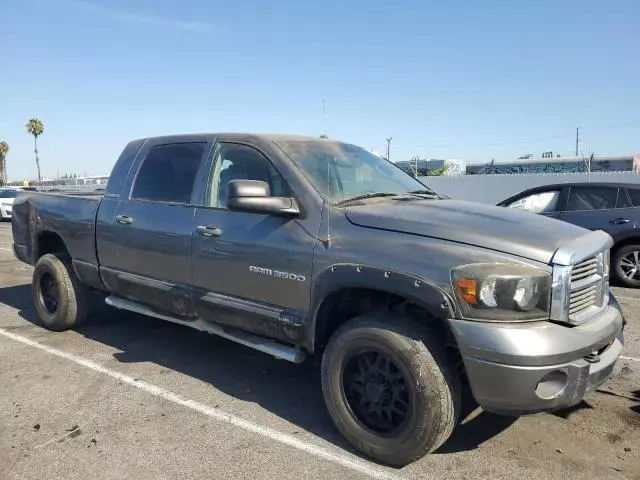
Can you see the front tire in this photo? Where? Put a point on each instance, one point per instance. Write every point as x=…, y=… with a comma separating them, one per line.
x=390, y=387
x=60, y=300
x=626, y=266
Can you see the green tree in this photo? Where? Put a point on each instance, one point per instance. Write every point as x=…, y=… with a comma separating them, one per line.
x=437, y=172
x=4, y=149
x=35, y=127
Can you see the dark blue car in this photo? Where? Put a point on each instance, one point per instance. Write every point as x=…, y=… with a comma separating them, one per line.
x=612, y=207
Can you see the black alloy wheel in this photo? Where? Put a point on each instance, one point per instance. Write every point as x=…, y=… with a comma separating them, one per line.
x=376, y=391
x=49, y=294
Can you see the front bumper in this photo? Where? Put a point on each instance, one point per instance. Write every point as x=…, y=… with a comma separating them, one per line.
x=535, y=367
x=6, y=211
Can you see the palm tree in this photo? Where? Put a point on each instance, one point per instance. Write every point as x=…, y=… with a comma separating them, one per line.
x=4, y=149
x=35, y=127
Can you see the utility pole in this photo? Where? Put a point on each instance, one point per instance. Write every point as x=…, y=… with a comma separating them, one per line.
x=577, y=139
x=324, y=117
x=389, y=148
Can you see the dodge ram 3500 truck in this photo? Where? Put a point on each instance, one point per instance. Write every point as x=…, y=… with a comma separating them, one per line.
x=295, y=246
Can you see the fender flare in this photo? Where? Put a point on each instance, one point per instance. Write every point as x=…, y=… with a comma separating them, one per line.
x=421, y=291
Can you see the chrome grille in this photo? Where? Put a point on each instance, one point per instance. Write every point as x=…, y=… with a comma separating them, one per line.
x=584, y=269
x=586, y=286
x=580, y=278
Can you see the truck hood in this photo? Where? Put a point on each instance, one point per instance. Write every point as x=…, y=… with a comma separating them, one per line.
x=526, y=235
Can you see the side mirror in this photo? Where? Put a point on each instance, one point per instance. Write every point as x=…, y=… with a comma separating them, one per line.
x=254, y=196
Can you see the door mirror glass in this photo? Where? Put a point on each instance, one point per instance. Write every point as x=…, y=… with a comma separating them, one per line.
x=254, y=196
x=543, y=202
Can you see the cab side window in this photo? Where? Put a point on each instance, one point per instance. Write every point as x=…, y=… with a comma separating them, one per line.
x=168, y=173
x=242, y=162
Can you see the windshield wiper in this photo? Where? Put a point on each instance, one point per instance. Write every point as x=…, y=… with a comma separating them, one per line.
x=367, y=195
x=423, y=192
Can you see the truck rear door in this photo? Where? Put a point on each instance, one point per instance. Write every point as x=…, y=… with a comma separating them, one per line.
x=145, y=245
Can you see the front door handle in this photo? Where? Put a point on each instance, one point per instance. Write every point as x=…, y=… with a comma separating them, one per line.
x=618, y=221
x=208, y=231
x=124, y=219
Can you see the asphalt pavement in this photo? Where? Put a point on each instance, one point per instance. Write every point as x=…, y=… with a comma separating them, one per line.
x=125, y=396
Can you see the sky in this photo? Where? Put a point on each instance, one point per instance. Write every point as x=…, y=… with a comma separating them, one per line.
x=456, y=79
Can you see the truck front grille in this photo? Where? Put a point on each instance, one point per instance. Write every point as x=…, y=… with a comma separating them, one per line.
x=584, y=269
x=580, y=284
x=586, y=286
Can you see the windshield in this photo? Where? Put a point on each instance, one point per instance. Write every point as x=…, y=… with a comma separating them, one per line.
x=340, y=171
x=8, y=193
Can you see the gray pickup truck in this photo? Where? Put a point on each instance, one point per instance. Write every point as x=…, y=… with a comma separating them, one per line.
x=296, y=246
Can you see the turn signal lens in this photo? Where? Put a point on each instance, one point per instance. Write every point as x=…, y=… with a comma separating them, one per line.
x=468, y=290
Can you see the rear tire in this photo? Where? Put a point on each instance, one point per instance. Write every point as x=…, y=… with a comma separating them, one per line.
x=622, y=268
x=60, y=300
x=390, y=387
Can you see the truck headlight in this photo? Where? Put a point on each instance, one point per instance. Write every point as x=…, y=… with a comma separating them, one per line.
x=502, y=292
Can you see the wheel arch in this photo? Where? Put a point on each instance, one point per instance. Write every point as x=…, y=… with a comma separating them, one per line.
x=633, y=239
x=49, y=242
x=370, y=287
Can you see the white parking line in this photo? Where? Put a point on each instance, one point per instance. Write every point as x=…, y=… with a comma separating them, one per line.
x=630, y=358
x=6, y=249
x=339, y=458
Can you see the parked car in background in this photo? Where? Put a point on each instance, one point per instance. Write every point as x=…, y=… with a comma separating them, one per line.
x=7, y=197
x=612, y=207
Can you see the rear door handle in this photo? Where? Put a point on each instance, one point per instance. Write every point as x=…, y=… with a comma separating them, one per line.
x=124, y=219
x=619, y=220
x=208, y=231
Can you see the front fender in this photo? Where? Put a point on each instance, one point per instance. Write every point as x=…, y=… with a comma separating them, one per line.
x=418, y=290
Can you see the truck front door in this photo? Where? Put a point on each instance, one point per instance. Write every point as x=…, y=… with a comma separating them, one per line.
x=144, y=242
x=254, y=269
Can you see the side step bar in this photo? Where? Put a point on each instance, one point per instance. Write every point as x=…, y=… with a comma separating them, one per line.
x=266, y=345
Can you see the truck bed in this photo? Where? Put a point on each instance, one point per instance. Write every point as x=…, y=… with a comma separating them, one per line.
x=39, y=217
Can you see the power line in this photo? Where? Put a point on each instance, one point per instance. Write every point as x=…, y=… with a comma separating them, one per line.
x=619, y=125
x=531, y=141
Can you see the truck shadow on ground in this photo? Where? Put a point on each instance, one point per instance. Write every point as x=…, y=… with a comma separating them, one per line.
x=290, y=391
